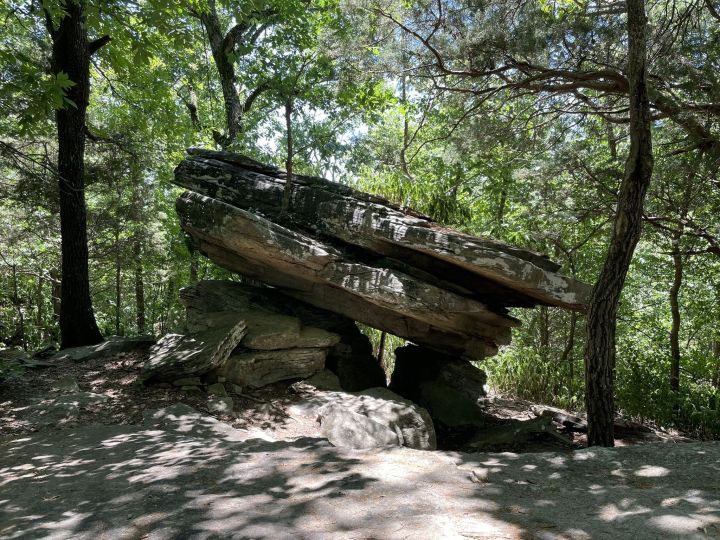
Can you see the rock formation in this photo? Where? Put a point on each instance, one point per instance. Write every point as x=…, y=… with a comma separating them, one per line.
x=285, y=338
x=361, y=257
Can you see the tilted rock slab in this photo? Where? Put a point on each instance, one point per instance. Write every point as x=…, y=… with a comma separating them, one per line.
x=510, y=275
x=360, y=256
x=176, y=356
x=324, y=276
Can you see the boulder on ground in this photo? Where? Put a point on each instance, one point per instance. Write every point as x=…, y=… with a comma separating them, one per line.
x=259, y=368
x=372, y=418
x=176, y=356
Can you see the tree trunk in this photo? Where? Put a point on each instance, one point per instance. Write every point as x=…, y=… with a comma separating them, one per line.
x=19, y=336
x=289, y=161
x=118, y=282
x=675, y=310
x=716, y=355
x=567, y=354
x=71, y=55
x=544, y=321
x=40, y=313
x=139, y=285
x=602, y=315
x=226, y=71
x=381, y=350
x=55, y=293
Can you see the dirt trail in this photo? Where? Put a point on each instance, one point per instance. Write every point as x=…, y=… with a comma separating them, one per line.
x=116, y=471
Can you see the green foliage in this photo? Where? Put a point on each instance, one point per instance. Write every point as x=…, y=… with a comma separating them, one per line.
x=372, y=108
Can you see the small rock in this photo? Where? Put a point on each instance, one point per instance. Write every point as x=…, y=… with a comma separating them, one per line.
x=221, y=379
x=190, y=388
x=163, y=385
x=324, y=380
x=66, y=384
x=218, y=404
x=187, y=381
x=234, y=388
x=217, y=389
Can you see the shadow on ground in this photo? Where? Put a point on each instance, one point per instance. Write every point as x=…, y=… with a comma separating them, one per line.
x=188, y=476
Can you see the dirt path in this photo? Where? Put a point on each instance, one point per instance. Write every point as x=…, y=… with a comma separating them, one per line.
x=115, y=470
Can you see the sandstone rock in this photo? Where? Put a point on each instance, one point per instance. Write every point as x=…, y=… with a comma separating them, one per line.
x=345, y=428
x=448, y=387
x=187, y=381
x=364, y=258
x=217, y=389
x=375, y=224
x=177, y=356
x=112, y=345
x=381, y=411
x=324, y=380
x=258, y=368
x=350, y=358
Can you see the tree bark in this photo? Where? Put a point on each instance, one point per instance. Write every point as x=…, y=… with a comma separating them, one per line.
x=226, y=71
x=118, y=281
x=602, y=316
x=139, y=285
x=567, y=354
x=716, y=355
x=289, y=160
x=675, y=311
x=71, y=55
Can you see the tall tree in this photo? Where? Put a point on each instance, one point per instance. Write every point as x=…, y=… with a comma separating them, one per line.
x=71, y=54
x=226, y=47
x=602, y=315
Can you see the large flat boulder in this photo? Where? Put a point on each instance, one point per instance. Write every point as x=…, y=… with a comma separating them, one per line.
x=364, y=258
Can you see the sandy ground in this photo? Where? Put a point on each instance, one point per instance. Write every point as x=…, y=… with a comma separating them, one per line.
x=117, y=471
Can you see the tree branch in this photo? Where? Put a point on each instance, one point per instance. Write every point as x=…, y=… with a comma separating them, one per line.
x=95, y=45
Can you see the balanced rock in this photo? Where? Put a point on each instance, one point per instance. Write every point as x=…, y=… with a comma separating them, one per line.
x=360, y=256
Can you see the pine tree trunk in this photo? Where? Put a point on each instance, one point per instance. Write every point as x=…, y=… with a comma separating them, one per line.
x=602, y=315
x=716, y=355
x=71, y=55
